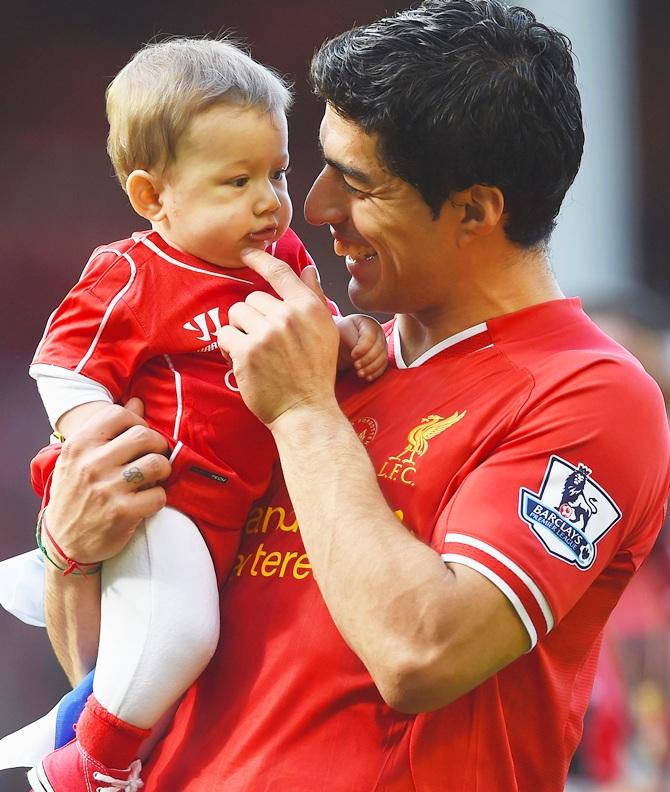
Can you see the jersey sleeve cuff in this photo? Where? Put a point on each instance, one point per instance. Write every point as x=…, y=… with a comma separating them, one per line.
x=61, y=390
x=519, y=588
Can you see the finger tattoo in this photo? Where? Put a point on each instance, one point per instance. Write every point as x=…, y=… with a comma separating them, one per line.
x=133, y=474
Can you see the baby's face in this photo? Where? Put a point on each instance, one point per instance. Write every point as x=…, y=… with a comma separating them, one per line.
x=226, y=189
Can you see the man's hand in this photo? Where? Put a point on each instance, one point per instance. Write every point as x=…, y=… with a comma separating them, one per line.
x=284, y=351
x=106, y=481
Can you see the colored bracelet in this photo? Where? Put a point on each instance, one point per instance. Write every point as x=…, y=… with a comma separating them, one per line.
x=73, y=567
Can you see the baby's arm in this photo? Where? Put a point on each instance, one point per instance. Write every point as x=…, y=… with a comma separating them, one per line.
x=362, y=345
x=75, y=418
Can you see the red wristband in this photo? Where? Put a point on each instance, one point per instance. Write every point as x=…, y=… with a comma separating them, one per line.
x=71, y=564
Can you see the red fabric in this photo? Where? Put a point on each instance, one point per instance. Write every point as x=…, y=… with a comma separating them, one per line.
x=141, y=321
x=285, y=704
x=41, y=469
x=72, y=769
x=106, y=738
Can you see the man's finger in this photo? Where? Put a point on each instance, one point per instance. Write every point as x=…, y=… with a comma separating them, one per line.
x=144, y=503
x=105, y=425
x=135, y=442
x=135, y=405
x=310, y=277
x=264, y=303
x=277, y=273
x=230, y=340
x=246, y=317
x=146, y=472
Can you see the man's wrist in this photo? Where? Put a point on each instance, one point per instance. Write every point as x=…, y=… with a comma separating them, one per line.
x=56, y=556
x=310, y=417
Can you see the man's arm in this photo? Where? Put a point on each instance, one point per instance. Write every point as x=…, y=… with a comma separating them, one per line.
x=72, y=613
x=92, y=513
x=426, y=631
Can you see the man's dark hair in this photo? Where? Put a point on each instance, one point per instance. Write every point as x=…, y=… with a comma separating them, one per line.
x=464, y=92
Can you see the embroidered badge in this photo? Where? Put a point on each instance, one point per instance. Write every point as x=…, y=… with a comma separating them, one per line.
x=401, y=466
x=366, y=429
x=570, y=513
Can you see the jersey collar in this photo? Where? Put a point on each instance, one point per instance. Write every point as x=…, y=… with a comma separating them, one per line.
x=536, y=320
x=478, y=336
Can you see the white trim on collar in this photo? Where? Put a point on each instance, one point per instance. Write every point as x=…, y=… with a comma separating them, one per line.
x=435, y=350
x=155, y=249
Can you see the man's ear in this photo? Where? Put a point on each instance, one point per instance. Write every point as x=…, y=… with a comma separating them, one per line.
x=483, y=209
x=144, y=192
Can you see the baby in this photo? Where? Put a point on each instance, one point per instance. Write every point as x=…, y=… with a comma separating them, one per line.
x=198, y=139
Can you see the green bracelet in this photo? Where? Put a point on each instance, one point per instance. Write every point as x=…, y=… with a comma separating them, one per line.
x=64, y=570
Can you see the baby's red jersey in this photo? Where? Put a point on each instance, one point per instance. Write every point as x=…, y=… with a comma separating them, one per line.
x=531, y=448
x=142, y=321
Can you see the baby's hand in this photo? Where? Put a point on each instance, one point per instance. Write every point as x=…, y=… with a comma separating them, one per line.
x=363, y=345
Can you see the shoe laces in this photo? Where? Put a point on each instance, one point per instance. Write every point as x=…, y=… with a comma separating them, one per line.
x=131, y=784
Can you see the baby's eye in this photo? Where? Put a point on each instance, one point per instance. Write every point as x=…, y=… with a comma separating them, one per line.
x=241, y=181
x=281, y=173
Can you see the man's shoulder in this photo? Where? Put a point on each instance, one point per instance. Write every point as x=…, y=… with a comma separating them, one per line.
x=562, y=350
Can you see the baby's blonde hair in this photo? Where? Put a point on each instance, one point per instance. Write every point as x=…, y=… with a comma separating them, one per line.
x=152, y=100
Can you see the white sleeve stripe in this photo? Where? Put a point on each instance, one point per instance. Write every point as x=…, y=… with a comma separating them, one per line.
x=513, y=567
x=499, y=583
x=178, y=396
x=108, y=313
x=175, y=451
x=53, y=313
x=95, y=255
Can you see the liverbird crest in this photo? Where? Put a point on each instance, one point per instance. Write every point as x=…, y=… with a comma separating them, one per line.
x=418, y=438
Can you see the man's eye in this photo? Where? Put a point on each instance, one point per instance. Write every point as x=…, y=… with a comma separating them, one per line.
x=352, y=190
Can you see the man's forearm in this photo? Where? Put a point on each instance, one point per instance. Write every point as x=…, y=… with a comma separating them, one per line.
x=427, y=631
x=377, y=579
x=72, y=612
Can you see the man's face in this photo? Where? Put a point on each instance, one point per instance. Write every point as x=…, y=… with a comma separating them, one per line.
x=227, y=188
x=397, y=255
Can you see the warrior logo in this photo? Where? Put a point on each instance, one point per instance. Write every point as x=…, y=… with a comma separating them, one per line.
x=207, y=329
x=570, y=513
x=402, y=465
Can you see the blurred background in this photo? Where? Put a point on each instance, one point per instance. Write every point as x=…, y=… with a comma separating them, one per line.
x=60, y=200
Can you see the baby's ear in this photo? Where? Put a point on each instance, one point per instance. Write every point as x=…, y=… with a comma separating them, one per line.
x=144, y=193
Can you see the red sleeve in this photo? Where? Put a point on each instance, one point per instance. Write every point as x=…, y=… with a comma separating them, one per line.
x=93, y=332
x=584, y=478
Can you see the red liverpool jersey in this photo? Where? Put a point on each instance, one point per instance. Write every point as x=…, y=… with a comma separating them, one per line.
x=142, y=321
x=531, y=448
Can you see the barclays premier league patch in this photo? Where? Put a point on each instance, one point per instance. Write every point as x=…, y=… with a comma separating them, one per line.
x=570, y=513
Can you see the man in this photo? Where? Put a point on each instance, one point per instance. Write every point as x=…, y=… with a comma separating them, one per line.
x=419, y=605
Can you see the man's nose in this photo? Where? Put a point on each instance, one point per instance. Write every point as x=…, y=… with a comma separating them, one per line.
x=324, y=204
